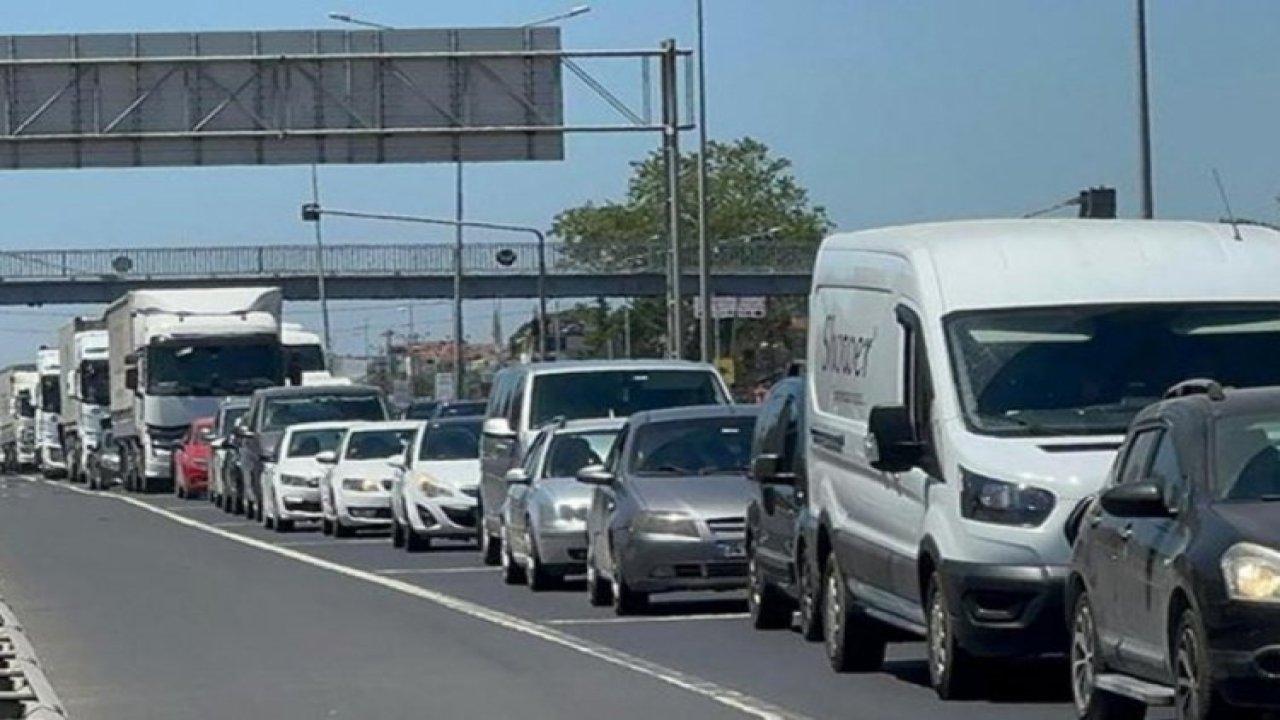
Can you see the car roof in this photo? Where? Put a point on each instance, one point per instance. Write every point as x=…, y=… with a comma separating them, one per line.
x=577, y=366
x=1233, y=401
x=307, y=390
x=695, y=412
x=984, y=264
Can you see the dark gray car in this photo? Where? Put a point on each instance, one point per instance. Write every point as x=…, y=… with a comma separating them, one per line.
x=669, y=509
x=274, y=409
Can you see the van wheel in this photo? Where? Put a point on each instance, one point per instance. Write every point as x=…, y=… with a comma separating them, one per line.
x=810, y=582
x=1194, y=697
x=1091, y=702
x=854, y=642
x=340, y=530
x=952, y=671
x=769, y=609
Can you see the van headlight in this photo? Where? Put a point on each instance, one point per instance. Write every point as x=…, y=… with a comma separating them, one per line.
x=1252, y=573
x=995, y=501
x=666, y=523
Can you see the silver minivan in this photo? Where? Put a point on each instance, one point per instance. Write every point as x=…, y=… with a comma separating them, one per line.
x=527, y=396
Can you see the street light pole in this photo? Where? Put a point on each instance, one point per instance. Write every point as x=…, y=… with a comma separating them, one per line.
x=320, y=289
x=671, y=159
x=704, y=250
x=312, y=212
x=1144, y=115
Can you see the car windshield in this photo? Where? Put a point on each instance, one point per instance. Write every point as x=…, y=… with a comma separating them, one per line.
x=572, y=451
x=461, y=409
x=452, y=441
x=378, y=444
x=421, y=410
x=204, y=370
x=309, y=443
x=703, y=446
x=50, y=398
x=95, y=388
x=619, y=393
x=1087, y=370
x=283, y=412
x=229, y=418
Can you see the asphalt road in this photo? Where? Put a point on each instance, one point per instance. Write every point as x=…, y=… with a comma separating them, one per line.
x=154, y=607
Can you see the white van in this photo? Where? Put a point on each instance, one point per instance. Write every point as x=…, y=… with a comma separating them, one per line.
x=969, y=384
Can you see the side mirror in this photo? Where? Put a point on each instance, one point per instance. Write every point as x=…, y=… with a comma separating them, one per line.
x=327, y=457
x=1135, y=500
x=498, y=428
x=517, y=476
x=891, y=444
x=764, y=469
x=131, y=378
x=242, y=432
x=595, y=475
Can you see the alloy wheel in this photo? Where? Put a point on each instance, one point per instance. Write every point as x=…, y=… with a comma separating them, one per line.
x=1083, y=667
x=1187, y=688
x=834, y=611
x=939, y=638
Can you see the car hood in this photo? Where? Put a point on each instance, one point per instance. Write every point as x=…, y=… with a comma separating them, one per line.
x=1255, y=522
x=709, y=497
x=566, y=491
x=303, y=466
x=454, y=473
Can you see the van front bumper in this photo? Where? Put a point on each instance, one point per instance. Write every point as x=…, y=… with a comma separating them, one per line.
x=1007, y=610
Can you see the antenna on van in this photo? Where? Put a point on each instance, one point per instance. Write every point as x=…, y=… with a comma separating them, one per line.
x=1226, y=203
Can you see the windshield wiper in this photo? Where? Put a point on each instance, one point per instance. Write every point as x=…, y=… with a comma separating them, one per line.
x=666, y=470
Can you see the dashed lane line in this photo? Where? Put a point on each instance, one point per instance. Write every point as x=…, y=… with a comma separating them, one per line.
x=728, y=697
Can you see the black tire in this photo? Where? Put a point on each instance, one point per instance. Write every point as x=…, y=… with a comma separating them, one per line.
x=326, y=526
x=512, y=571
x=1194, y=695
x=953, y=673
x=1091, y=702
x=625, y=600
x=538, y=577
x=340, y=530
x=397, y=534
x=810, y=581
x=770, y=609
x=284, y=526
x=490, y=547
x=853, y=641
x=599, y=591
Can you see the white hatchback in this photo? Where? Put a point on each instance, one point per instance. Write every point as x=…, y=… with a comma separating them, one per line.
x=438, y=484
x=291, y=484
x=356, y=491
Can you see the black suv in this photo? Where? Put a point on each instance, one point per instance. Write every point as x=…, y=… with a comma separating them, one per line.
x=1175, y=577
x=782, y=575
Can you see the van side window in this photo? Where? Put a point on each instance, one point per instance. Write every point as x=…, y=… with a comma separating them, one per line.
x=917, y=386
x=517, y=402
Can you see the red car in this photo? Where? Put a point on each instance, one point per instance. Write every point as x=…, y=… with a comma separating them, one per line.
x=191, y=459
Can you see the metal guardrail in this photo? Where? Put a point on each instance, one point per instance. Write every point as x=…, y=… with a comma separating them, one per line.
x=24, y=690
x=414, y=259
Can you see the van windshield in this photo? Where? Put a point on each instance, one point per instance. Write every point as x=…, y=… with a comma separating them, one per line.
x=619, y=393
x=1090, y=369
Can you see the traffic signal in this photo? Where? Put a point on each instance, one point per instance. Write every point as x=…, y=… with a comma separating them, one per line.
x=1099, y=202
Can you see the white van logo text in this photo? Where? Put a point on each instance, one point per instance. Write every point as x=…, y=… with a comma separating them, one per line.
x=844, y=353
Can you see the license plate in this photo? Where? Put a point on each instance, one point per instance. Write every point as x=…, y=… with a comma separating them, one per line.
x=732, y=550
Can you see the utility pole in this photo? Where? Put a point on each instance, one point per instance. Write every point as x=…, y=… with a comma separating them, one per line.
x=1144, y=115
x=458, y=341
x=671, y=158
x=704, y=250
x=320, y=290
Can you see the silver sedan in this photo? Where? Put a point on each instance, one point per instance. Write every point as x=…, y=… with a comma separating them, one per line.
x=544, y=518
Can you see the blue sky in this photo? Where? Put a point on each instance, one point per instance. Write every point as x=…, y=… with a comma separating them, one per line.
x=892, y=110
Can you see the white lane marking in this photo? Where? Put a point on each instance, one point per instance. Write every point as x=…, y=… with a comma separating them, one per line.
x=227, y=523
x=728, y=697
x=437, y=571
x=649, y=619
x=347, y=541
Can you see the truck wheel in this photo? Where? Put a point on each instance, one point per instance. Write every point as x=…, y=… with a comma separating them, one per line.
x=854, y=642
x=953, y=673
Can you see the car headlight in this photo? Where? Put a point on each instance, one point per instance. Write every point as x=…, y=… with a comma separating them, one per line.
x=574, y=513
x=295, y=480
x=432, y=488
x=666, y=523
x=1252, y=573
x=360, y=484
x=996, y=501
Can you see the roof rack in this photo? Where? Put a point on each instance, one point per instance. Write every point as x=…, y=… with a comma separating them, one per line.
x=1196, y=386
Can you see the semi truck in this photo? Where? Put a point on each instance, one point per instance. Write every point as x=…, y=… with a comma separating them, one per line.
x=304, y=357
x=173, y=356
x=48, y=409
x=82, y=347
x=18, y=416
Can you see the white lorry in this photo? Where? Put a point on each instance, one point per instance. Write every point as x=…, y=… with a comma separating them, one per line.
x=304, y=357
x=18, y=416
x=48, y=409
x=82, y=347
x=174, y=356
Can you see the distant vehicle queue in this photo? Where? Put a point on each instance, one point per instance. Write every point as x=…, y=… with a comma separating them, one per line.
x=1011, y=439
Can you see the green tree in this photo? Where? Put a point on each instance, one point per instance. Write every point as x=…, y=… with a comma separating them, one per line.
x=756, y=208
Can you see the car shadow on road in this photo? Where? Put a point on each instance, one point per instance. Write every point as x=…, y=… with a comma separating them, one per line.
x=716, y=606
x=1037, y=681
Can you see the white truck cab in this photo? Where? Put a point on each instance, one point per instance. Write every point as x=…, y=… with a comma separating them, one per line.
x=969, y=384
x=49, y=457
x=86, y=390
